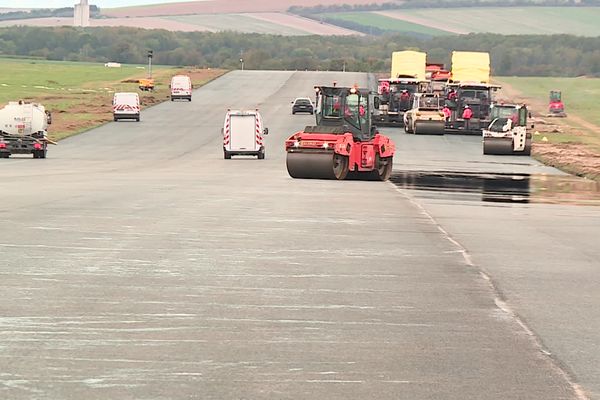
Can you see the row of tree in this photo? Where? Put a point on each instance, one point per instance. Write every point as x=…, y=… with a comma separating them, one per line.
x=519, y=55
x=64, y=12
x=336, y=8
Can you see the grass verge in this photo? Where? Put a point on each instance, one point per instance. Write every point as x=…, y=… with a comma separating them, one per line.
x=571, y=144
x=79, y=95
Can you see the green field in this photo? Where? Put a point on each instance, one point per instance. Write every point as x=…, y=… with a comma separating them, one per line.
x=582, y=21
x=236, y=22
x=22, y=79
x=580, y=95
x=369, y=19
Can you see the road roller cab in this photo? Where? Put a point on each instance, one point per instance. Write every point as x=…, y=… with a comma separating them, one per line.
x=243, y=134
x=344, y=141
x=507, y=133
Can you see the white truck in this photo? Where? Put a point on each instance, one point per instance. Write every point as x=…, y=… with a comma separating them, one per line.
x=243, y=134
x=126, y=106
x=181, y=88
x=24, y=129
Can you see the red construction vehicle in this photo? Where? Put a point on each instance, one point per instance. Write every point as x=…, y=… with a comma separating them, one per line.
x=437, y=72
x=556, y=108
x=343, y=143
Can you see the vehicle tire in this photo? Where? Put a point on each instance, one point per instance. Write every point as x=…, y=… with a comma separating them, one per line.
x=293, y=112
x=190, y=99
x=261, y=154
x=341, y=166
x=137, y=119
x=383, y=168
x=227, y=155
x=42, y=153
x=116, y=119
x=527, y=150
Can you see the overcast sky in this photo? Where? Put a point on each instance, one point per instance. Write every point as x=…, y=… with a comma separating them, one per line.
x=69, y=3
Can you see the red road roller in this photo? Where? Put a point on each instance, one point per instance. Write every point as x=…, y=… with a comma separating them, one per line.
x=343, y=143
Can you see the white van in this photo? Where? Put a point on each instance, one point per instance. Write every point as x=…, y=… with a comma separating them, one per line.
x=181, y=88
x=126, y=106
x=243, y=134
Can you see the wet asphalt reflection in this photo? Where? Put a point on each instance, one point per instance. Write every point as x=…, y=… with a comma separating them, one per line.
x=500, y=188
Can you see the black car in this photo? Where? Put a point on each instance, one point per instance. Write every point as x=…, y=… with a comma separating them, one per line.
x=302, y=104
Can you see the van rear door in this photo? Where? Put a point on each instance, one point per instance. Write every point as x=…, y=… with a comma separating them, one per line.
x=243, y=132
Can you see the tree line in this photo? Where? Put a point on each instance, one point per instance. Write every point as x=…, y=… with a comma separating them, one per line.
x=518, y=55
x=64, y=12
x=408, y=4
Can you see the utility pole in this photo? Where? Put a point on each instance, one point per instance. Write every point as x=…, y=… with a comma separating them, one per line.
x=242, y=63
x=150, y=55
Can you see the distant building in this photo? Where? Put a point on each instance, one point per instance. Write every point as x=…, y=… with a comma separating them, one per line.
x=82, y=14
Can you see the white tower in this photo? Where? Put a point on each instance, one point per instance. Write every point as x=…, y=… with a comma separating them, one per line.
x=82, y=14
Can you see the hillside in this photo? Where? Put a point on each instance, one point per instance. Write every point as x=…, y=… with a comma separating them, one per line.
x=224, y=7
x=581, y=21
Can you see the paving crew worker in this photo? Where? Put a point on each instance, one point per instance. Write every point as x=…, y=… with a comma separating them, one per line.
x=447, y=113
x=404, y=98
x=467, y=115
x=452, y=95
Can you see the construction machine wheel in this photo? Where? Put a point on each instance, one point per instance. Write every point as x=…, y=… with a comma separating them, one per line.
x=407, y=128
x=429, y=128
x=383, y=168
x=317, y=165
x=497, y=146
x=39, y=154
x=4, y=155
x=527, y=150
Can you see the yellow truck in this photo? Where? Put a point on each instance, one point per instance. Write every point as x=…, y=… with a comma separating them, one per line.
x=471, y=66
x=409, y=64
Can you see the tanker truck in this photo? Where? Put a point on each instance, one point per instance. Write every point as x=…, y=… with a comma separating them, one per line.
x=23, y=129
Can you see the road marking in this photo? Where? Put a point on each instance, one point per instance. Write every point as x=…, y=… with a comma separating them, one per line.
x=499, y=299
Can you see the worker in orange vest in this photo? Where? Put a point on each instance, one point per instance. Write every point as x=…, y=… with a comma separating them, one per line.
x=467, y=115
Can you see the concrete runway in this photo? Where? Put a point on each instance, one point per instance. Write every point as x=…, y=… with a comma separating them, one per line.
x=138, y=264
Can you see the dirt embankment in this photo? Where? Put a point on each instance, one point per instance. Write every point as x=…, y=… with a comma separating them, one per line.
x=559, y=142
